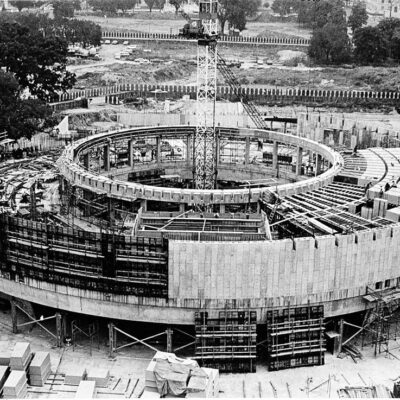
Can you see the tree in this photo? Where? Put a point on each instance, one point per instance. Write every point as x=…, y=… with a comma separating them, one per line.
x=369, y=46
x=160, y=4
x=236, y=11
x=21, y=117
x=21, y=4
x=330, y=44
x=177, y=4
x=390, y=31
x=63, y=9
x=284, y=7
x=316, y=14
x=37, y=61
x=150, y=4
x=358, y=16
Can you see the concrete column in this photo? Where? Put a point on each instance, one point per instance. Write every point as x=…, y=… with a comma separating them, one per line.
x=143, y=205
x=318, y=164
x=299, y=160
x=130, y=153
x=222, y=208
x=182, y=208
x=107, y=157
x=247, y=152
x=189, y=139
x=275, y=155
x=86, y=163
x=158, y=145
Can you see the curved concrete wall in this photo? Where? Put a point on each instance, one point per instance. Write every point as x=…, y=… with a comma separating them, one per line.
x=130, y=190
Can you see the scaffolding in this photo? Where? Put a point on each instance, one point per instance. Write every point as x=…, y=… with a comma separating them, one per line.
x=380, y=324
x=295, y=337
x=228, y=342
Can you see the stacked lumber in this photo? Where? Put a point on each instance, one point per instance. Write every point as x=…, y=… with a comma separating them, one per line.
x=20, y=356
x=75, y=376
x=16, y=385
x=4, y=372
x=86, y=390
x=100, y=375
x=39, y=369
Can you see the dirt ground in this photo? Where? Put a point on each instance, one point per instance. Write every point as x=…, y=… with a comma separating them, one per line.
x=129, y=364
x=174, y=63
x=172, y=26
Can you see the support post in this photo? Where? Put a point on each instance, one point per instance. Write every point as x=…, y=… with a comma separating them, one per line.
x=181, y=208
x=222, y=208
x=130, y=153
x=299, y=160
x=340, y=336
x=169, y=340
x=59, y=330
x=318, y=164
x=143, y=205
x=189, y=150
x=111, y=339
x=158, y=152
x=107, y=157
x=275, y=155
x=247, y=152
x=14, y=316
x=86, y=161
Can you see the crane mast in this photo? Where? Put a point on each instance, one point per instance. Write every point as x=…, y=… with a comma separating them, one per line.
x=205, y=142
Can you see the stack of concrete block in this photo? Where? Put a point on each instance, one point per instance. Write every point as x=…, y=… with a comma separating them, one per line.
x=366, y=212
x=16, y=385
x=5, y=359
x=393, y=214
x=150, y=386
x=380, y=207
x=20, y=356
x=86, y=390
x=39, y=369
x=75, y=376
x=4, y=372
x=100, y=376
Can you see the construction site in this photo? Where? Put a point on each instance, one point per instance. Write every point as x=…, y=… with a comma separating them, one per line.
x=220, y=250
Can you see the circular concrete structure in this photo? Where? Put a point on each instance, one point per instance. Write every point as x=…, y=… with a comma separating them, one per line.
x=163, y=266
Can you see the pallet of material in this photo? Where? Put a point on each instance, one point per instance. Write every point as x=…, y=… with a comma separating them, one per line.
x=39, y=368
x=15, y=386
x=75, y=376
x=204, y=386
x=86, y=390
x=100, y=375
x=4, y=372
x=20, y=356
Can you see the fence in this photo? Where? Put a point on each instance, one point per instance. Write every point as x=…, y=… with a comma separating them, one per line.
x=269, y=41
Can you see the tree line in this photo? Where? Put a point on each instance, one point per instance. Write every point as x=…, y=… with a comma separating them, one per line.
x=33, y=58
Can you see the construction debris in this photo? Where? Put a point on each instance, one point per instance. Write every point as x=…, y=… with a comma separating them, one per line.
x=378, y=391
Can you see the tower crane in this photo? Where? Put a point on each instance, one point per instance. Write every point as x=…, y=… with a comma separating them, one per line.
x=205, y=143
